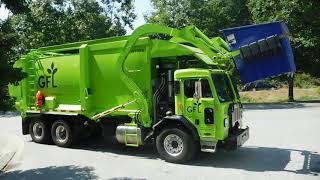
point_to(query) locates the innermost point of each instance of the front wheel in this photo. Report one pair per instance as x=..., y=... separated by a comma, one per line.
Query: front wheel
x=175, y=145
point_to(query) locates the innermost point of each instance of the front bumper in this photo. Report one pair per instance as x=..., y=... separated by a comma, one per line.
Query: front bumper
x=237, y=140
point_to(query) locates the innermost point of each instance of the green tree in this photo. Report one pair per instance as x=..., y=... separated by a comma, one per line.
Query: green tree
x=8, y=39
x=302, y=18
x=52, y=22
x=208, y=15
x=15, y=6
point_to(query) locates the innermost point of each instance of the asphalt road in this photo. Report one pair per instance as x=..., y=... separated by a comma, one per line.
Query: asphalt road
x=284, y=144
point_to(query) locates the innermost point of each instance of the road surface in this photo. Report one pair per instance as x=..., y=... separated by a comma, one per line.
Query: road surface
x=284, y=144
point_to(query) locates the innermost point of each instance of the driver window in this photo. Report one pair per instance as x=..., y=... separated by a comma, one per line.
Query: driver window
x=206, y=91
x=189, y=88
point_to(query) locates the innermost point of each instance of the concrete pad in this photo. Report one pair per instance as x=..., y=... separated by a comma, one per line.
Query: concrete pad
x=11, y=148
x=284, y=143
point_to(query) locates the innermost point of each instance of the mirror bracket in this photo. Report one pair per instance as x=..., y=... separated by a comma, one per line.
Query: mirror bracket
x=198, y=90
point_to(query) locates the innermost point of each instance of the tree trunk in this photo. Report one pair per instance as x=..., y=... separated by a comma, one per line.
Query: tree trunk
x=290, y=87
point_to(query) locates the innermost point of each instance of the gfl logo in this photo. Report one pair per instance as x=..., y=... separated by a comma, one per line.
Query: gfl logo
x=45, y=80
x=194, y=108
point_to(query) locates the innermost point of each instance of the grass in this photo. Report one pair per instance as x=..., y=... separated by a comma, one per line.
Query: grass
x=280, y=95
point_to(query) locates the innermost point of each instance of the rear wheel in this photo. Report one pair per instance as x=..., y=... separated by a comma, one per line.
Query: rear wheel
x=62, y=134
x=39, y=131
x=175, y=145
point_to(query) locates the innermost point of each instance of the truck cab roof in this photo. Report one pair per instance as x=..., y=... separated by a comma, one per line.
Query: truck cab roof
x=196, y=72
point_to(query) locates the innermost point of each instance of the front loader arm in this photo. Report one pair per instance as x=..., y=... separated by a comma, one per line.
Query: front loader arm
x=189, y=34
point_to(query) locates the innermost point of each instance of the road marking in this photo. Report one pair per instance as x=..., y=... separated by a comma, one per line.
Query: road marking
x=296, y=161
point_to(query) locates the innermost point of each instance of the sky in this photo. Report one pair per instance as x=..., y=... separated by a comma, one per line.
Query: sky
x=141, y=7
x=3, y=12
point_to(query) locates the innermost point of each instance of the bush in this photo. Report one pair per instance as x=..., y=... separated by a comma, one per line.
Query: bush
x=318, y=90
x=303, y=80
x=247, y=99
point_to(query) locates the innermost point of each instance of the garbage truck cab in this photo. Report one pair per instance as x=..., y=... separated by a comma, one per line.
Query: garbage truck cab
x=210, y=101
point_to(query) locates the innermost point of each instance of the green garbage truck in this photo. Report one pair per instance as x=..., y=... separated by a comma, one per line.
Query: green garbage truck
x=177, y=91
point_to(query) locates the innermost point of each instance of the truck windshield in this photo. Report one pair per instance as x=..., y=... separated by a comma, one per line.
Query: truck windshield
x=223, y=87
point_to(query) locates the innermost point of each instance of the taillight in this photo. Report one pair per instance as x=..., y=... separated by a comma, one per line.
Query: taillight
x=39, y=99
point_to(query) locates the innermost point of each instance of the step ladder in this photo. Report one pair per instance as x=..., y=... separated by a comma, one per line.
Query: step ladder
x=31, y=81
x=132, y=135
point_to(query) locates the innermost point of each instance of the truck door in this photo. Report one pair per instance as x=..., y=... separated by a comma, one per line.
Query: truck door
x=199, y=105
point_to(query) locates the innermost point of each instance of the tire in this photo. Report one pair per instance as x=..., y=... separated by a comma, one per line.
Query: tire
x=40, y=131
x=62, y=134
x=175, y=145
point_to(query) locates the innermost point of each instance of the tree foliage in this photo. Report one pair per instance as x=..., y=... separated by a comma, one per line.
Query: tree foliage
x=302, y=18
x=8, y=74
x=8, y=39
x=52, y=22
x=208, y=15
x=15, y=6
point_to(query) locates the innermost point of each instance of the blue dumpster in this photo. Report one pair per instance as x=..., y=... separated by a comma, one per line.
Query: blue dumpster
x=265, y=50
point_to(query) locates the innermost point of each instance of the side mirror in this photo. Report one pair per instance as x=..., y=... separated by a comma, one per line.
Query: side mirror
x=197, y=90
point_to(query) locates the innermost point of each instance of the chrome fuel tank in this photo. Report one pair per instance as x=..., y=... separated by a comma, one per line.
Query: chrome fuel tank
x=129, y=135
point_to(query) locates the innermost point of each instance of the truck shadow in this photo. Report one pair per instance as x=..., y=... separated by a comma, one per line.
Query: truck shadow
x=260, y=159
x=147, y=151
x=57, y=173
x=51, y=173
x=249, y=158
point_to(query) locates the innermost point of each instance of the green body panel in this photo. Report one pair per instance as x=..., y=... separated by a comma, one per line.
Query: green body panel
x=55, y=83
x=91, y=77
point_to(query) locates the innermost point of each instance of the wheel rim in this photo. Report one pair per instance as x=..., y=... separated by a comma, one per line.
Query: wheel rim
x=61, y=134
x=38, y=130
x=173, y=145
